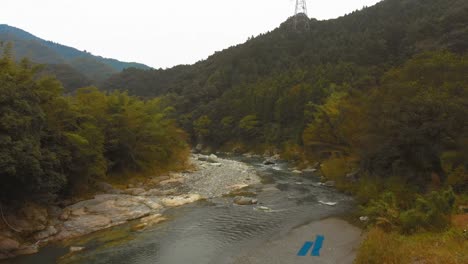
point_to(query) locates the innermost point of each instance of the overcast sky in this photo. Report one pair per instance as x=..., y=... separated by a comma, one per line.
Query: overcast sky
x=155, y=32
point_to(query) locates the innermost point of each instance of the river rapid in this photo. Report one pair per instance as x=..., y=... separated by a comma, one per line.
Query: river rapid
x=214, y=230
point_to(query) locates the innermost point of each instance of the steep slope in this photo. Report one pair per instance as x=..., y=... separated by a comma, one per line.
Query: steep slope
x=275, y=78
x=95, y=68
x=387, y=33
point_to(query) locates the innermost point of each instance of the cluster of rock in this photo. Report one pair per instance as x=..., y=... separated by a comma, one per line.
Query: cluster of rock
x=216, y=177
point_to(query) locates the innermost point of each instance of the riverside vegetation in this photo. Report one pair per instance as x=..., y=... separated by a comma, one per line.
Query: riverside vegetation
x=379, y=97
x=55, y=144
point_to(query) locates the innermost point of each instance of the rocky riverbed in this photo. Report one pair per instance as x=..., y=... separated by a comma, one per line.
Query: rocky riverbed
x=34, y=225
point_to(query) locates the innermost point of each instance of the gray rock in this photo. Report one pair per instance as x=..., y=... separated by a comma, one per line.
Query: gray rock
x=79, y=211
x=310, y=170
x=241, y=200
x=65, y=215
x=76, y=249
x=269, y=162
x=49, y=231
x=180, y=200
x=86, y=224
x=152, y=204
x=329, y=184
x=198, y=148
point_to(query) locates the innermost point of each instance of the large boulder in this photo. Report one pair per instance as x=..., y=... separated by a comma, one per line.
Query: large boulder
x=48, y=232
x=211, y=158
x=86, y=224
x=269, y=162
x=198, y=148
x=241, y=200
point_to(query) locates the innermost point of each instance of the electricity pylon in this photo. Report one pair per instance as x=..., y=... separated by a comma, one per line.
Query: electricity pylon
x=300, y=15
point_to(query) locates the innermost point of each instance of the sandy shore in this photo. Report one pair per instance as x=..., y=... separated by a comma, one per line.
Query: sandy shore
x=339, y=246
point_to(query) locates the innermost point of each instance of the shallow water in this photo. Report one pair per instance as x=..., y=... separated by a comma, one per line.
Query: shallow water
x=214, y=231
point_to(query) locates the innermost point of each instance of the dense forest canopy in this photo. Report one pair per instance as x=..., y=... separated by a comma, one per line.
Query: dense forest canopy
x=51, y=143
x=261, y=76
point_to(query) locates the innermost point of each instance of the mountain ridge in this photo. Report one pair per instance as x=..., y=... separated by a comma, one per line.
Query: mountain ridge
x=95, y=68
x=254, y=78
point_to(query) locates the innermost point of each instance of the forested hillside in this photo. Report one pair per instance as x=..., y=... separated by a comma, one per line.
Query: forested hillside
x=294, y=89
x=53, y=144
x=87, y=67
x=378, y=97
x=276, y=78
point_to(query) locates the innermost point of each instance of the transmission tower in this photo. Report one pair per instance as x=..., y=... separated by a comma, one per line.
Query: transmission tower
x=300, y=15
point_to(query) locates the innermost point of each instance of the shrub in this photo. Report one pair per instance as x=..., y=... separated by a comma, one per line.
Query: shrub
x=429, y=212
x=384, y=212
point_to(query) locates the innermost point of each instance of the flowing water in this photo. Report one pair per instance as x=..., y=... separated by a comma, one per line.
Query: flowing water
x=214, y=231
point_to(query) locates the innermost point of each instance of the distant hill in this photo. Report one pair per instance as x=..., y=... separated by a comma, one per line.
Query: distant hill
x=94, y=68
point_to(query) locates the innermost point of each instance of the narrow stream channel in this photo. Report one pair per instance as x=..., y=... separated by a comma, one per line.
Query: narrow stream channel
x=213, y=231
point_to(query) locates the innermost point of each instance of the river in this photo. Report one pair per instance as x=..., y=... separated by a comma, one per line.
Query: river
x=215, y=230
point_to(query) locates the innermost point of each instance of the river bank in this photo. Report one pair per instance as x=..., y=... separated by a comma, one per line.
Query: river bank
x=34, y=225
x=340, y=244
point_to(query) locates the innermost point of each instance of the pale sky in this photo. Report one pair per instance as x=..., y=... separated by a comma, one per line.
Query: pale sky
x=159, y=33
